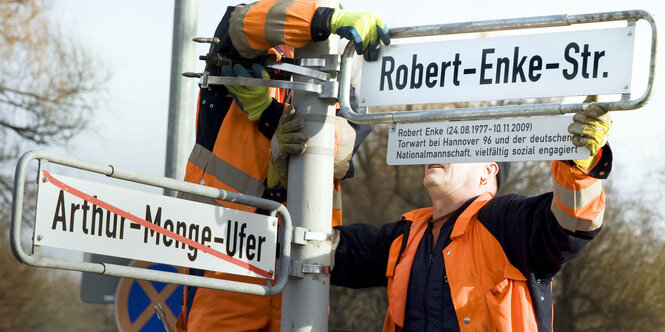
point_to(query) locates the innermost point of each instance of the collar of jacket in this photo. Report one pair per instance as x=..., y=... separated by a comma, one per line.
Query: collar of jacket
x=462, y=223
x=464, y=212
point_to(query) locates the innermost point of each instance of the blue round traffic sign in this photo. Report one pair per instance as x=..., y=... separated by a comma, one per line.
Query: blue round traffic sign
x=139, y=303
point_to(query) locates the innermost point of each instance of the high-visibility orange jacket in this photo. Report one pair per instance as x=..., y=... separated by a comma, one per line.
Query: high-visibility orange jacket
x=502, y=255
x=232, y=152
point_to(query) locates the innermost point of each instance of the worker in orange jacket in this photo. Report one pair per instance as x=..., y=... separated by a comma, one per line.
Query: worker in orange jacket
x=245, y=134
x=475, y=262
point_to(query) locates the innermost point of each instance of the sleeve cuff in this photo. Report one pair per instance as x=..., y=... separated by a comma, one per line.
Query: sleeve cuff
x=320, y=27
x=269, y=120
x=603, y=166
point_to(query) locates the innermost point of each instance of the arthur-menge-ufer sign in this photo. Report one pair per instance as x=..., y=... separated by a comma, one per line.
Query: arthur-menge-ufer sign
x=103, y=219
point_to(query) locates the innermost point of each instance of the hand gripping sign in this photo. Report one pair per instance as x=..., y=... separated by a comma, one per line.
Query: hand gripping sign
x=91, y=217
x=518, y=66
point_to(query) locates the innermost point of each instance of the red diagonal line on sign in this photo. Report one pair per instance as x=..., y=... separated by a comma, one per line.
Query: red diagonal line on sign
x=154, y=227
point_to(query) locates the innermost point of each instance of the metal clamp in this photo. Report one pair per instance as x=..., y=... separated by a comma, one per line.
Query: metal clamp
x=299, y=269
x=301, y=236
x=328, y=62
x=475, y=113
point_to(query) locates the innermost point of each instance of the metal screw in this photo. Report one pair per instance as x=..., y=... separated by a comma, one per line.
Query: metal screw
x=363, y=100
x=630, y=33
x=625, y=87
x=392, y=128
x=271, y=272
x=44, y=179
x=40, y=237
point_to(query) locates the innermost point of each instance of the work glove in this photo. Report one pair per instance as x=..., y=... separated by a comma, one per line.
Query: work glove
x=253, y=100
x=364, y=29
x=287, y=141
x=589, y=129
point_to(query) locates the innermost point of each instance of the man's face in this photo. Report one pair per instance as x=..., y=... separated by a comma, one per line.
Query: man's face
x=461, y=179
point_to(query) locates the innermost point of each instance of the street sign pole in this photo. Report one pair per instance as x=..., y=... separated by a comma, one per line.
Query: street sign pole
x=182, y=92
x=305, y=298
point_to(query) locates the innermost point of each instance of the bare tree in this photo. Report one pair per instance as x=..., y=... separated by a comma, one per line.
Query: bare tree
x=47, y=83
x=47, y=86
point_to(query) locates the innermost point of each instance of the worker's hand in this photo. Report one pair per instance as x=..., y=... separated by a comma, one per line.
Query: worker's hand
x=364, y=29
x=277, y=172
x=287, y=140
x=589, y=129
x=253, y=100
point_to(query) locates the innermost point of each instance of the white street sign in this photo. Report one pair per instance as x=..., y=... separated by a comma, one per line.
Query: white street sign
x=511, y=139
x=103, y=219
x=572, y=63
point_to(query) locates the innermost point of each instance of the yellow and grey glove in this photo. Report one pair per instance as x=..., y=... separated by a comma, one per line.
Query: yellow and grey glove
x=589, y=129
x=253, y=100
x=287, y=140
x=364, y=29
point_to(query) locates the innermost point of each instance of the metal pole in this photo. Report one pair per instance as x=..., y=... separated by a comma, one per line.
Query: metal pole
x=305, y=298
x=182, y=97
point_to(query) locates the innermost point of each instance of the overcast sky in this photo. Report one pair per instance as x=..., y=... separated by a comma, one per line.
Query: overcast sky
x=133, y=41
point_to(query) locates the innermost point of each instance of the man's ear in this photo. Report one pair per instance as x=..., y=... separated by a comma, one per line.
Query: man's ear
x=491, y=170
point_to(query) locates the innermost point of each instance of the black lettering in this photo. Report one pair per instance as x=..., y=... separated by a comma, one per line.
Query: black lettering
x=168, y=225
x=206, y=235
x=59, y=215
x=485, y=65
x=157, y=221
x=180, y=229
x=416, y=73
x=97, y=215
x=194, y=236
x=517, y=66
x=111, y=232
x=596, y=57
x=84, y=225
x=569, y=75
x=502, y=65
x=122, y=227
x=242, y=238
x=385, y=73
x=535, y=64
x=262, y=239
x=456, y=64
x=430, y=76
x=401, y=77
x=231, y=251
x=72, y=209
x=444, y=65
x=585, y=59
x=251, y=245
